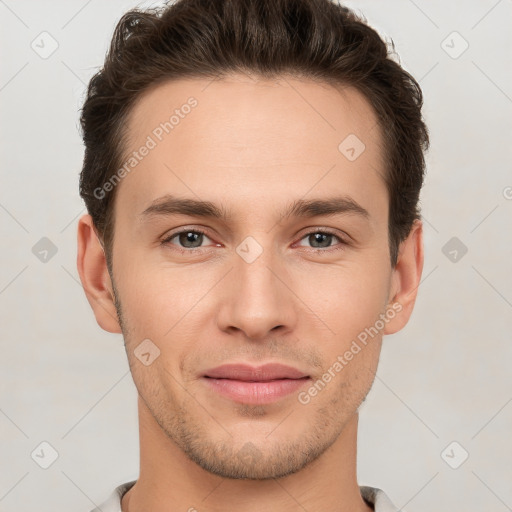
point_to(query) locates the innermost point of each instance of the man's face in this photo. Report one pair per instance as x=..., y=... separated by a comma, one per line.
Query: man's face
x=259, y=286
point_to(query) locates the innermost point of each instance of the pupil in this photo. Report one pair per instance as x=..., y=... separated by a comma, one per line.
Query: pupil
x=319, y=237
x=190, y=238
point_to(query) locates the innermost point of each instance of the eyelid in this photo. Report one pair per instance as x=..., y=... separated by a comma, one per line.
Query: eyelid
x=343, y=239
x=170, y=235
x=343, y=242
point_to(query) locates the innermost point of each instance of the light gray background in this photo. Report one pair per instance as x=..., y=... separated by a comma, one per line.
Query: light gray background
x=446, y=377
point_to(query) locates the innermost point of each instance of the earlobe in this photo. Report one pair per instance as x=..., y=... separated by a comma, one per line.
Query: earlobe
x=406, y=278
x=93, y=271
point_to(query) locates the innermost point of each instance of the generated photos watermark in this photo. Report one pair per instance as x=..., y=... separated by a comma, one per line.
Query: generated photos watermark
x=152, y=140
x=304, y=397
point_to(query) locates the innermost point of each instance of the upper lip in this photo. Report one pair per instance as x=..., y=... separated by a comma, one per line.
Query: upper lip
x=246, y=372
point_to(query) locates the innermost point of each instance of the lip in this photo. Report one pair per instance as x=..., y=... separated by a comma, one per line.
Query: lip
x=255, y=384
x=246, y=372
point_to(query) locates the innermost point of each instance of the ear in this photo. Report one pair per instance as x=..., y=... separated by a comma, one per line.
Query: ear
x=406, y=278
x=93, y=271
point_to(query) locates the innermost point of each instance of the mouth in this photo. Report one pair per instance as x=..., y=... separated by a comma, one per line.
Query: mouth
x=255, y=385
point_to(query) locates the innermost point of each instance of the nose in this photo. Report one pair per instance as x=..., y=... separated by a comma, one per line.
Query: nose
x=257, y=298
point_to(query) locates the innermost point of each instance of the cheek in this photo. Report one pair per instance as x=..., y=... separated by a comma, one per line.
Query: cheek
x=348, y=297
x=158, y=301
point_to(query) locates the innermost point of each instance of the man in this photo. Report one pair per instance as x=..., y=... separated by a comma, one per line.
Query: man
x=252, y=173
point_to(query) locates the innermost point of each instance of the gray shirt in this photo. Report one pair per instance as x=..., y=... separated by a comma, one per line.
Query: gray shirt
x=373, y=496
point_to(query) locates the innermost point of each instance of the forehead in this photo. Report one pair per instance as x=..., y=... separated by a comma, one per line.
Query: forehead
x=253, y=137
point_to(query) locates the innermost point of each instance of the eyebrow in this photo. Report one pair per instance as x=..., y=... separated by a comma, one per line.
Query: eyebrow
x=171, y=205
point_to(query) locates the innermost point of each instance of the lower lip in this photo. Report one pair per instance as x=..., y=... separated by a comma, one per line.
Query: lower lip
x=255, y=392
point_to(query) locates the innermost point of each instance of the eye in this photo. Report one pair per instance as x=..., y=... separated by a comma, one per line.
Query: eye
x=321, y=239
x=186, y=239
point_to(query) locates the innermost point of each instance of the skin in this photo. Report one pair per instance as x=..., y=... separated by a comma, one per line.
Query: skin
x=253, y=147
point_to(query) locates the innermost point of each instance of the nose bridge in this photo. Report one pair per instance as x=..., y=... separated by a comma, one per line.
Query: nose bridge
x=256, y=299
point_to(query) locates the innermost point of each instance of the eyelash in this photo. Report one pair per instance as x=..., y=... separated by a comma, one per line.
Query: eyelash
x=340, y=246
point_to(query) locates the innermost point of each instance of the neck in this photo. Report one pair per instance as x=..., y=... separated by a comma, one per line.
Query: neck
x=169, y=481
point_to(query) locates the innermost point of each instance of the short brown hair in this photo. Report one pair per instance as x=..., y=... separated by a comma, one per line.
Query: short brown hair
x=315, y=39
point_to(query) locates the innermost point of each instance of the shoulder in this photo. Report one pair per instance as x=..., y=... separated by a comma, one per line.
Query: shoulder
x=113, y=502
x=378, y=499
